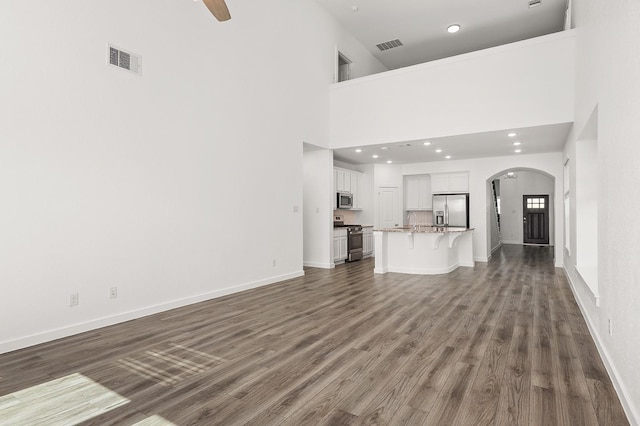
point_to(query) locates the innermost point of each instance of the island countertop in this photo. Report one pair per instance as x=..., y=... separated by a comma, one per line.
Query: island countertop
x=423, y=249
x=426, y=229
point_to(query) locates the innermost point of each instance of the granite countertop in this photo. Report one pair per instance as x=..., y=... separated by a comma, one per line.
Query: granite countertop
x=426, y=229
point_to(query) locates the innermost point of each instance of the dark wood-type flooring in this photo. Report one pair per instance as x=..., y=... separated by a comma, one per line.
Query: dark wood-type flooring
x=503, y=343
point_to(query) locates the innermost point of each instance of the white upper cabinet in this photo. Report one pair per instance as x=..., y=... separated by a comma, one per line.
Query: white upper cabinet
x=442, y=183
x=342, y=180
x=417, y=192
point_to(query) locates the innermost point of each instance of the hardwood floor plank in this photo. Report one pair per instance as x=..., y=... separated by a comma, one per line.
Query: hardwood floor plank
x=318, y=408
x=408, y=416
x=606, y=403
x=388, y=401
x=448, y=403
x=543, y=407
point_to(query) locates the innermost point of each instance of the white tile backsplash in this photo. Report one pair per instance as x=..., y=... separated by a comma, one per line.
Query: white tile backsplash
x=424, y=218
x=348, y=215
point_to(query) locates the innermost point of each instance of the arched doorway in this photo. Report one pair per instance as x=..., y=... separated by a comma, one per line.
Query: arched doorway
x=521, y=208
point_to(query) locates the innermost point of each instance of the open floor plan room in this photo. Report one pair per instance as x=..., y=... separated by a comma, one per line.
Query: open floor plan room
x=501, y=343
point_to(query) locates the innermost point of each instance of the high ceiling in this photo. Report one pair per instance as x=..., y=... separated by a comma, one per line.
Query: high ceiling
x=421, y=25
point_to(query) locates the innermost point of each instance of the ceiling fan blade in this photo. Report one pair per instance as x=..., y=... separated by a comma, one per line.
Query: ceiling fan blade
x=219, y=9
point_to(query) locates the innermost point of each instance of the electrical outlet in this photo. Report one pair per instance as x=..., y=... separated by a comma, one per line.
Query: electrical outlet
x=113, y=292
x=610, y=327
x=73, y=299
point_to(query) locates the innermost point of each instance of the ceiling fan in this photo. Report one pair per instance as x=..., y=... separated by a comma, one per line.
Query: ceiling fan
x=219, y=9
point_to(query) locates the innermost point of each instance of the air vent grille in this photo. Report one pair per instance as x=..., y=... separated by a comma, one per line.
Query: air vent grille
x=389, y=45
x=125, y=60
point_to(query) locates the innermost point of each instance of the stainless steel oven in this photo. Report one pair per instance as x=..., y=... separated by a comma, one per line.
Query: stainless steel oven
x=354, y=243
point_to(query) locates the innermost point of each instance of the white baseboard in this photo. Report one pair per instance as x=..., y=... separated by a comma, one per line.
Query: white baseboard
x=423, y=271
x=481, y=259
x=319, y=265
x=621, y=390
x=58, y=333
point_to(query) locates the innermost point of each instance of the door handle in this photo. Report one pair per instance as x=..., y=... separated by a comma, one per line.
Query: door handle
x=524, y=219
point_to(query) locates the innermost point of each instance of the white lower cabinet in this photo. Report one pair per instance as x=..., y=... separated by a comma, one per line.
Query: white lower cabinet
x=339, y=244
x=367, y=241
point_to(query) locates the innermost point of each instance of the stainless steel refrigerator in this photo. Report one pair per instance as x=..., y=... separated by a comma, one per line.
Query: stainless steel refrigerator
x=451, y=210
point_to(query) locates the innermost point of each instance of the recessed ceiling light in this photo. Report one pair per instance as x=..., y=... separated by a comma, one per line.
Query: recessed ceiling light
x=517, y=143
x=438, y=151
x=375, y=156
x=389, y=161
x=427, y=143
x=453, y=28
x=358, y=150
x=384, y=147
x=512, y=134
x=447, y=157
x=517, y=150
x=355, y=8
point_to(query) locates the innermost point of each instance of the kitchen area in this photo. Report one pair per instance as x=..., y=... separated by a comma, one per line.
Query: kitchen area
x=416, y=224
x=352, y=239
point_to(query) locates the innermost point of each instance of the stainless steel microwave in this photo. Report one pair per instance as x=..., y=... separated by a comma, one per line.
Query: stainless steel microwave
x=345, y=200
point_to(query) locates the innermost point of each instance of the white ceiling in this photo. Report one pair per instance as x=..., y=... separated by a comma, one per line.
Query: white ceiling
x=421, y=25
x=534, y=140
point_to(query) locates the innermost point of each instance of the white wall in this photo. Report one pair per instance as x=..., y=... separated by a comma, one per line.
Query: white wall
x=528, y=83
x=480, y=170
x=317, y=207
x=511, y=193
x=607, y=70
x=174, y=186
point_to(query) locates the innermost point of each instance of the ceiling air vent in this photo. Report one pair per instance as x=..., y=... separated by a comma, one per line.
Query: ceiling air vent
x=534, y=3
x=389, y=45
x=122, y=59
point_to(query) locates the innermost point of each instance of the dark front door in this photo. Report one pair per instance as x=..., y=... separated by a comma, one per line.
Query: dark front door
x=535, y=209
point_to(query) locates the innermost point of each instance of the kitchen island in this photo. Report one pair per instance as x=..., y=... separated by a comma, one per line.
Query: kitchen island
x=422, y=249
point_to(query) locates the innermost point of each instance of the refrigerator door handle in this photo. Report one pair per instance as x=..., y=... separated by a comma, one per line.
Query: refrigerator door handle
x=446, y=215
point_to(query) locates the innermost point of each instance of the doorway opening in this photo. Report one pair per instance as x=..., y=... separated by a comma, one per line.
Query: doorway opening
x=507, y=194
x=344, y=68
x=535, y=219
